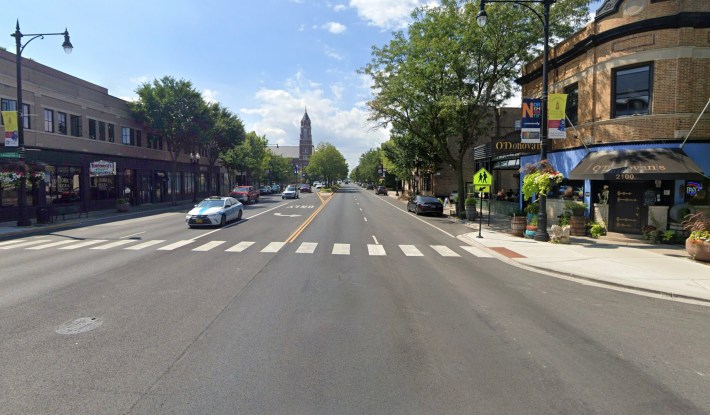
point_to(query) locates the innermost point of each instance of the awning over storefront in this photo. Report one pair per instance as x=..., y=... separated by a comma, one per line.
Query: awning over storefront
x=636, y=164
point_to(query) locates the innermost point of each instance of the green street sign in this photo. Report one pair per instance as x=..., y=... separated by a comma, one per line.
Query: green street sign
x=9, y=155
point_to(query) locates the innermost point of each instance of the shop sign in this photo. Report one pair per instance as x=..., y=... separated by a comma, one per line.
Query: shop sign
x=693, y=188
x=507, y=146
x=102, y=168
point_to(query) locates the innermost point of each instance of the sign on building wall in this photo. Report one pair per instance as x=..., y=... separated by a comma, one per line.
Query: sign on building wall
x=102, y=168
x=556, y=104
x=531, y=122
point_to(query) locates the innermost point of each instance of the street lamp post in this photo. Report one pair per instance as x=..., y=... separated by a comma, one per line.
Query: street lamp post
x=541, y=233
x=23, y=218
x=195, y=161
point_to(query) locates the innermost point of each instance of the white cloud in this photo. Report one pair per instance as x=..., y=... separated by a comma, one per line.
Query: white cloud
x=387, y=14
x=334, y=27
x=209, y=96
x=279, y=111
x=339, y=7
x=331, y=53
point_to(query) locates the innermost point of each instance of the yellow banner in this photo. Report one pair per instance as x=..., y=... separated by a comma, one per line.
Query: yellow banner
x=556, y=104
x=10, y=120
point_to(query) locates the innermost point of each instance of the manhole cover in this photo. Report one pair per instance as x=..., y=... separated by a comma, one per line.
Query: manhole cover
x=80, y=325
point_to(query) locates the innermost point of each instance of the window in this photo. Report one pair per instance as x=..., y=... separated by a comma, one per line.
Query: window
x=111, y=133
x=632, y=91
x=76, y=125
x=138, y=138
x=7, y=105
x=62, y=122
x=92, y=129
x=26, y=117
x=125, y=135
x=48, y=121
x=572, y=108
x=102, y=131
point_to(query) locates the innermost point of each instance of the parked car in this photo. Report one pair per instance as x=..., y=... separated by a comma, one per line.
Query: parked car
x=425, y=204
x=214, y=210
x=291, y=192
x=275, y=188
x=381, y=190
x=304, y=188
x=265, y=190
x=370, y=186
x=245, y=194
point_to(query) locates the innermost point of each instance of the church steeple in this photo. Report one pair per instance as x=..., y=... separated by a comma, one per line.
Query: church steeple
x=306, y=141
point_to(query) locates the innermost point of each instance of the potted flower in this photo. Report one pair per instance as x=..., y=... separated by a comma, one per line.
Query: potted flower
x=539, y=179
x=470, y=206
x=576, y=208
x=122, y=205
x=698, y=243
x=531, y=227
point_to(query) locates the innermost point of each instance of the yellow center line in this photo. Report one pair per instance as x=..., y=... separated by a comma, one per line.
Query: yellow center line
x=309, y=220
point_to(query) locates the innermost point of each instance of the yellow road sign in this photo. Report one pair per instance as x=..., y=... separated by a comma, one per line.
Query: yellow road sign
x=482, y=178
x=482, y=189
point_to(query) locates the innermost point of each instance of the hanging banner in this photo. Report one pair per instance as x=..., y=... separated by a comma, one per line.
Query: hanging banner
x=556, y=104
x=12, y=138
x=531, y=121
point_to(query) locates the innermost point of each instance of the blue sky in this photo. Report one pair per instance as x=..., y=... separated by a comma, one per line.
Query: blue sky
x=265, y=60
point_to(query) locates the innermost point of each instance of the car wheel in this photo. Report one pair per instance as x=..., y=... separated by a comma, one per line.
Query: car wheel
x=416, y=210
x=223, y=221
x=283, y=197
x=239, y=215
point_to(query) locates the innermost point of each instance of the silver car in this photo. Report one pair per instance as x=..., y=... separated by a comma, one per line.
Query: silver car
x=291, y=192
x=214, y=210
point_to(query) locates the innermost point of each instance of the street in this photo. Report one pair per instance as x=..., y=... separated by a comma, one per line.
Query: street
x=345, y=305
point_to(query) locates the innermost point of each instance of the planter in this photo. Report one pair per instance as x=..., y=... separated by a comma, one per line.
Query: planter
x=577, y=226
x=517, y=225
x=530, y=231
x=698, y=250
x=123, y=207
x=470, y=212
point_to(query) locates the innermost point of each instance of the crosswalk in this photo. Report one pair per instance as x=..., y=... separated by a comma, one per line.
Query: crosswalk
x=194, y=245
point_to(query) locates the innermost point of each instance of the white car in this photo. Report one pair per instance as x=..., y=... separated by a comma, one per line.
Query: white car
x=215, y=210
x=291, y=192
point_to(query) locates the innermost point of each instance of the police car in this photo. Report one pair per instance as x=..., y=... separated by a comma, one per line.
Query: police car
x=214, y=210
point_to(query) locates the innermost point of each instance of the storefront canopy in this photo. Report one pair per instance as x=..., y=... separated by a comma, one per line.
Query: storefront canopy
x=636, y=164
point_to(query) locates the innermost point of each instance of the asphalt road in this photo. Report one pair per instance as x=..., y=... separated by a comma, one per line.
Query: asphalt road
x=367, y=309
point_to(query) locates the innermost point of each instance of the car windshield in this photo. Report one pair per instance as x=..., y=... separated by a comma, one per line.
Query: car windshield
x=211, y=203
x=428, y=199
x=241, y=189
x=290, y=189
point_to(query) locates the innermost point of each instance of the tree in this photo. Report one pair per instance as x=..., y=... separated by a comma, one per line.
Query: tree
x=280, y=168
x=438, y=81
x=221, y=131
x=367, y=169
x=174, y=110
x=328, y=163
x=248, y=158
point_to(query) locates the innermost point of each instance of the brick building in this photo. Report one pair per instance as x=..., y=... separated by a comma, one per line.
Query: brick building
x=637, y=83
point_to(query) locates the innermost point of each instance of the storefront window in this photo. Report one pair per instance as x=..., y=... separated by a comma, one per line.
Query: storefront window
x=64, y=184
x=103, y=187
x=568, y=190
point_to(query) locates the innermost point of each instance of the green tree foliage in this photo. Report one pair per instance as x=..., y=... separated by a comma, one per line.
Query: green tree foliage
x=280, y=169
x=368, y=166
x=173, y=109
x=327, y=163
x=248, y=158
x=437, y=81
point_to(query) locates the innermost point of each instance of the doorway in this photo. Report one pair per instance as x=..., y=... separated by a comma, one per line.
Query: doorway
x=626, y=201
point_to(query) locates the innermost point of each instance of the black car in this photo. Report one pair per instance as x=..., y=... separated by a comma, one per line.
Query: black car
x=381, y=190
x=425, y=204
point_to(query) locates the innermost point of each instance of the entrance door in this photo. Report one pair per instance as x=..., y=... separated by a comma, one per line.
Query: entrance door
x=626, y=201
x=145, y=189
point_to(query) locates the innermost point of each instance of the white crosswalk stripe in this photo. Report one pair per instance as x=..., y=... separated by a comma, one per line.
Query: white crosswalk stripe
x=240, y=247
x=476, y=251
x=84, y=244
x=12, y=242
x=410, y=250
x=341, y=249
x=114, y=244
x=53, y=244
x=145, y=244
x=208, y=246
x=176, y=245
x=25, y=244
x=273, y=247
x=307, y=248
x=444, y=250
x=376, y=250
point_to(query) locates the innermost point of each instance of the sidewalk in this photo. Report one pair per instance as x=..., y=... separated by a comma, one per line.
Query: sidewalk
x=613, y=260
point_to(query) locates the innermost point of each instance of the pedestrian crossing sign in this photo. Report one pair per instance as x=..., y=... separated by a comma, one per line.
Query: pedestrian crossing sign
x=482, y=178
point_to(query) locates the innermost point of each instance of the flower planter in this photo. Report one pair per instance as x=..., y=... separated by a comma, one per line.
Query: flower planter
x=517, y=225
x=530, y=231
x=123, y=207
x=698, y=250
x=470, y=212
x=578, y=226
